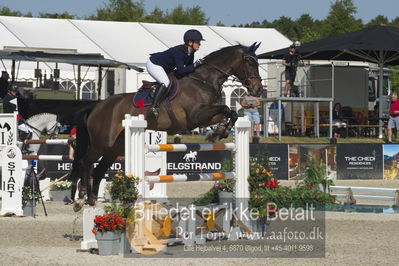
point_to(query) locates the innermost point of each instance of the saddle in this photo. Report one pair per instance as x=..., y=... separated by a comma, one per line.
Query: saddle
x=146, y=92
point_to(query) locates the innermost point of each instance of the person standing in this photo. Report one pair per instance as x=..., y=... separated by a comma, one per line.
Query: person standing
x=393, y=121
x=290, y=61
x=4, y=84
x=251, y=105
x=10, y=105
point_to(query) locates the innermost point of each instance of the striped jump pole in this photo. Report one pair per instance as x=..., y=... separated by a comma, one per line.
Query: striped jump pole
x=56, y=158
x=187, y=178
x=47, y=141
x=46, y=157
x=191, y=147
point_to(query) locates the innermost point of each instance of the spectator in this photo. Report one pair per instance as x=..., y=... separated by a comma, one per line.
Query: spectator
x=251, y=105
x=290, y=61
x=337, y=120
x=10, y=105
x=4, y=84
x=393, y=121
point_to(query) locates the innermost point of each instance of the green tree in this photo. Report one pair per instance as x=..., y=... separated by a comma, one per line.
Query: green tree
x=5, y=11
x=395, y=22
x=120, y=10
x=189, y=16
x=378, y=20
x=156, y=16
x=287, y=27
x=64, y=15
x=341, y=19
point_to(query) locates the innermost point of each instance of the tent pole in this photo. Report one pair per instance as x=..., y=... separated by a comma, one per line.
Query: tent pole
x=79, y=84
x=380, y=91
x=99, y=85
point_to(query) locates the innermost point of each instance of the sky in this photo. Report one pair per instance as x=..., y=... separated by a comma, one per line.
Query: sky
x=390, y=150
x=229, y=12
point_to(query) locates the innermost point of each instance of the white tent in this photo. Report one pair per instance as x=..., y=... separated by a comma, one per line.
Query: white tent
x=129, y=42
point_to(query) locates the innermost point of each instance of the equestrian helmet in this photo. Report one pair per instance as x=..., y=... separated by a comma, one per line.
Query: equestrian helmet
x=12, y=87
x=192, y=35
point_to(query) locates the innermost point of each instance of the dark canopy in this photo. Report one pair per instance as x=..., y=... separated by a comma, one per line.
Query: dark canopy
x=376, y=44
x=95, y=60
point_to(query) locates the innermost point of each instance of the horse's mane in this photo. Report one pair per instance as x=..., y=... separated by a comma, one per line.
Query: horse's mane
x=223, y=50
x=40, y=117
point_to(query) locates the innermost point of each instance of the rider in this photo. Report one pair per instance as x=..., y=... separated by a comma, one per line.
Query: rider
x=10, y=105
x=179, y=58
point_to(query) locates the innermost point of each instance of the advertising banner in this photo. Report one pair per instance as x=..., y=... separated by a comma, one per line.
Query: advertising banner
x=277, y=156
x=359, y=161
x=391, y=161
x=194, y=162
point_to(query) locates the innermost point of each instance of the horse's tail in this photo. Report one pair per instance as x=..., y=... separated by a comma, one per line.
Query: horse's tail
x=82, y=136
x=81, y=148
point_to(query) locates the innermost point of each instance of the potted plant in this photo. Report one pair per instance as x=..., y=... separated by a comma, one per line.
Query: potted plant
x=27, y=200
x=124, y=193
x=108, y=229
x=225, y=190
x=60, y=191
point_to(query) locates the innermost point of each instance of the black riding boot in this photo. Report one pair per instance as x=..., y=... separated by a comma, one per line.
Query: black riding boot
x=25, y=136
x=160, y=91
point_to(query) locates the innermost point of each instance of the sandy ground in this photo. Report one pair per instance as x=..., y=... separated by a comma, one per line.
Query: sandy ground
x=352, y=238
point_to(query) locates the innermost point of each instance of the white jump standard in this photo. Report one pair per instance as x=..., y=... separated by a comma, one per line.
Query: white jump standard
x=135, y=151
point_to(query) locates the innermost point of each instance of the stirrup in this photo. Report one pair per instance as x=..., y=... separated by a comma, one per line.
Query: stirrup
x=155, y=110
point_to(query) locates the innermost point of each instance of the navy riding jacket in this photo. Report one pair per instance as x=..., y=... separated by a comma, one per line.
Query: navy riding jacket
x=177, y=58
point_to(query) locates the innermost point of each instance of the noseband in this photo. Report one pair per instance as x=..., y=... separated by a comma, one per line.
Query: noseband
x=235, y=78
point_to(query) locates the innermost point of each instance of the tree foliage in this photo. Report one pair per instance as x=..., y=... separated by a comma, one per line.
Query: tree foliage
x=64, y=15
x=128, y=10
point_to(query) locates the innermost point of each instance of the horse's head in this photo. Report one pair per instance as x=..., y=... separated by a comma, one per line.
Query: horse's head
x=248, y=70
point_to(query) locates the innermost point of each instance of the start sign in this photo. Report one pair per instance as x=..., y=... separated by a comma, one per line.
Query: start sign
x=11, y=181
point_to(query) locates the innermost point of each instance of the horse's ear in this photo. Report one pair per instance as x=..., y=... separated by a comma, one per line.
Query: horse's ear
x=257, y=46
x=253, y=47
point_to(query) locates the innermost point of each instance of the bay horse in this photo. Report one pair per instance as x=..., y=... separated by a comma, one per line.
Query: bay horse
x=100, y=131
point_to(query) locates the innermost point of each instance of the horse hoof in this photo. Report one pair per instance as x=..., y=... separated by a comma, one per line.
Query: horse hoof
x=225, y=135
x=77, y=206
x=92, y=202
x=211, y=137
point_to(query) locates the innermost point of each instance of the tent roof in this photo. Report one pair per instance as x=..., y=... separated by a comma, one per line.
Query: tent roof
x=68, y=58
x=125, y=41
x=376, y=44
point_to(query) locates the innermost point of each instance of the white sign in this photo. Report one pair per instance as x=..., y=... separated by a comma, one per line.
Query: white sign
x=8, y=130
x=11, y=183
x=155, y=161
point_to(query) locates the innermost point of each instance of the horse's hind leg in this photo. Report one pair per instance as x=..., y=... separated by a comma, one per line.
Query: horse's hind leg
x=85, y=186
x=106, y=161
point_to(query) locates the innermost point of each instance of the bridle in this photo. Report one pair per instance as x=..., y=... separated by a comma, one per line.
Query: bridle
x=235, y=78
x=51, y=132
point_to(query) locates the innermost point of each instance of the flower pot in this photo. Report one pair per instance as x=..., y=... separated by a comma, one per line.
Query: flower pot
x=108, y=243
x=60, y=195
x=225, y=197
x=28, y=208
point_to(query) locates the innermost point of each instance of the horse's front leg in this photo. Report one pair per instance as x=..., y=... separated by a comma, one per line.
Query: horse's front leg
x=220, y=114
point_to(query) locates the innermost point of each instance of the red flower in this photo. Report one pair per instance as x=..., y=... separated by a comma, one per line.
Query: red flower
x=108, y=222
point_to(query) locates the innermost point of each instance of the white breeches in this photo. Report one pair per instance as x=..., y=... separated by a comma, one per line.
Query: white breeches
x=24, y=128
x=158, y=73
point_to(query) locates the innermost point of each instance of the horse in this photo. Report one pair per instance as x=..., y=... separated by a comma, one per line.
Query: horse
x=191, y=155
x=100, y=132
x=43, y=123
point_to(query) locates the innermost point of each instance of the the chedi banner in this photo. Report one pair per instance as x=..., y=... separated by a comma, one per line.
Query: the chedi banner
x=360, y=161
